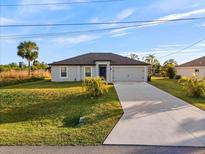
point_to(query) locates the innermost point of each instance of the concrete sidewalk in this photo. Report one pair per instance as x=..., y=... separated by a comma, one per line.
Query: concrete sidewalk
x=154, y=117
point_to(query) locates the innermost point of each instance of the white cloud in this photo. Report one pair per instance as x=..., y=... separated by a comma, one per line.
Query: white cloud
x=175, y=5
x=28, y=10
x=4, y=20
x=119, y=17
x=170, y=45
x=162, y=51
x=183, y=15
x=94, y=20
x=200, y=45
x=7, y=42
x=168, y=17
x=119, y=30
x=173, y=17
x=75, y=39
x=119, y=34
x=124, y=14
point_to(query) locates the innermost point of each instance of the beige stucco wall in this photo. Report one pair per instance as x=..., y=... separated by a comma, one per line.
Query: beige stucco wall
x=188, y=71
x=82, y=71
x=77, y=73
x=72, y=75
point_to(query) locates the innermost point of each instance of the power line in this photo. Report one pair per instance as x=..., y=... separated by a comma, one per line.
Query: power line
x=187, y=47
x=74, y=32
x=103, y=23
x=62, y=3
x=68, y=32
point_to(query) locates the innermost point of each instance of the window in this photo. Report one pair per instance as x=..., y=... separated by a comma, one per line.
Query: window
x=87, y=71
x=196, y=70
x=64, y=72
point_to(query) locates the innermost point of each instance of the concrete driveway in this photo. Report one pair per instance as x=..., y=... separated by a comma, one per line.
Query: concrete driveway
x=154, y=117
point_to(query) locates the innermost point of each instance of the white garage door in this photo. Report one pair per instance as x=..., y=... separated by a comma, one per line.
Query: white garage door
x=121, y=74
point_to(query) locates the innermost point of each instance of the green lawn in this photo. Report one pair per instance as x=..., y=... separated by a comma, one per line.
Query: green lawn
x=43, y=112
x=174, y=88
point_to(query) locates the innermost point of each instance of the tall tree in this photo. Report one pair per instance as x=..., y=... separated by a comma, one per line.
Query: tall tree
x=29, y=51
x=151, y=59
x=134, y=56
x=170, y=61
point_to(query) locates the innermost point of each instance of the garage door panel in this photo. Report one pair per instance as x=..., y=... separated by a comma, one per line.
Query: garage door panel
x=121, y=74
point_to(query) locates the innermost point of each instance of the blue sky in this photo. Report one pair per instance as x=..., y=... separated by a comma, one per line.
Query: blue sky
x=158, y=38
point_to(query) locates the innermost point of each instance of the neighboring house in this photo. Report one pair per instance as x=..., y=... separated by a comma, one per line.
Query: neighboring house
x=195, y=66
x=110, y=66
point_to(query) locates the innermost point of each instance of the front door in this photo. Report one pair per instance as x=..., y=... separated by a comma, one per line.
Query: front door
x=102, y=71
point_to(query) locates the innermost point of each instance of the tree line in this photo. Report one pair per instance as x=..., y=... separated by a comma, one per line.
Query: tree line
x=30, y=51
x=36, y=65
x=167, y=69
x=27, y=50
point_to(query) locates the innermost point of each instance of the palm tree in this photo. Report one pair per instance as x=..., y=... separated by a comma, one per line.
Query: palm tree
x=151, y=59
x=170, y=61
x=134, y=56
x=29, y=51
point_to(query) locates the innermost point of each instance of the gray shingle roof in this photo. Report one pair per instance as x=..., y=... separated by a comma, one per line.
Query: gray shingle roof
x=196, y=62
x=91, y=58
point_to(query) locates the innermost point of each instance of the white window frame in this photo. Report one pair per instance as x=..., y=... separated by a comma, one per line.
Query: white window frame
x=85, y=71
x=63, y=77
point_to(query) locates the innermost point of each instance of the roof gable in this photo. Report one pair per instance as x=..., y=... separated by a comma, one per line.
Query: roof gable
x=91, y=58
x=196, y=62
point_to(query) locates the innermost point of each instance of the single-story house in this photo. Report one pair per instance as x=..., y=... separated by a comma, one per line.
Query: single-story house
x=195, y=66
x=110, y=66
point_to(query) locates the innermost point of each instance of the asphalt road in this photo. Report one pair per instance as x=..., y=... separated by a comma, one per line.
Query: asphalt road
x=99, y=150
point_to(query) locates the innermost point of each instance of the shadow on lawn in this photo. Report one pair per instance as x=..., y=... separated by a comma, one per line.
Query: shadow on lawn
x=65, y=105
x=45, y=84
x=69, y=109
x=73, y=121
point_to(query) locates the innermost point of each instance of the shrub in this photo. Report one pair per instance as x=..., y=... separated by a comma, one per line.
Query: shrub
x=178, y=77
x=163, y=73
x=170, y=70
x=95, y=86
x=194, y=86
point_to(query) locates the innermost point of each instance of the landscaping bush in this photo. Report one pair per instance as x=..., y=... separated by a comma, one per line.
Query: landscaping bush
x=170, y=70
x=194, y=86
x=95, y=86
x=163, y=73
x=177, y=77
